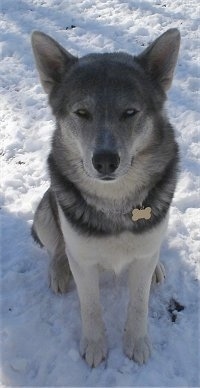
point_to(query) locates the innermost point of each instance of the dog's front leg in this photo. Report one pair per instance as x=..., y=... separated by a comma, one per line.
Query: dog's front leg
x=93, y=345
x=137, y=345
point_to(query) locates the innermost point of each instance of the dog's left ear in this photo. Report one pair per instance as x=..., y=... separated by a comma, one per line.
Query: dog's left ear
x=160, y=58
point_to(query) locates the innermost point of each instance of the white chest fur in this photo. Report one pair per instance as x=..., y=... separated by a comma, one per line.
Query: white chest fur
x=111, y=252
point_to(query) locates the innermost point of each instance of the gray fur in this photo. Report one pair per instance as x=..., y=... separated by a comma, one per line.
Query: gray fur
x=113, y=150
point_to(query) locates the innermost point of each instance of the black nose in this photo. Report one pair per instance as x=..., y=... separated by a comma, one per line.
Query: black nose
x=105, y=162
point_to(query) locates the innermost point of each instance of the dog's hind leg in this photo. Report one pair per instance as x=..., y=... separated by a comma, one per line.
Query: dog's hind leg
x=159, y=274
x=47, y=232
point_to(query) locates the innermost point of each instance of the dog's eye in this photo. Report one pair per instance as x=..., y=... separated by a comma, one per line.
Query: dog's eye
x=83, y=113
x=129, y=113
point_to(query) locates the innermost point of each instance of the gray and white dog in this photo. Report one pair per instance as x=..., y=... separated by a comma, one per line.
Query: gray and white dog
x=113, y=171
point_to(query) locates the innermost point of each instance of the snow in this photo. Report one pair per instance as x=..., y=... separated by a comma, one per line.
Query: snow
x=39, y=330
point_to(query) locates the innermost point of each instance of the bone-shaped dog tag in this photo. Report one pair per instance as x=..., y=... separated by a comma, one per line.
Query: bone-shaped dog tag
x=140, y=214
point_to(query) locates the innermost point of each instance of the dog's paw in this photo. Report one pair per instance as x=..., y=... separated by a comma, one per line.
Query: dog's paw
x=94, y=352
x=59, y=275
x=159, y=274
x=138, y=350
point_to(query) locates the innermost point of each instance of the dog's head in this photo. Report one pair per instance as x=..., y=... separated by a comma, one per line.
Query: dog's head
x=109, y=107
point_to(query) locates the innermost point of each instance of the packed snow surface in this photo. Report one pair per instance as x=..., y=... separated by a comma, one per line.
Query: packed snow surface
x=40, y=331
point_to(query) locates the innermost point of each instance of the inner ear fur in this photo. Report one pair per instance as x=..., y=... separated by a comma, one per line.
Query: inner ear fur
x=160, y=58
x=52, y=60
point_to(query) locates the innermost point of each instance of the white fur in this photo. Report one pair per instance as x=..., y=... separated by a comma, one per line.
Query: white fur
x=138, y=252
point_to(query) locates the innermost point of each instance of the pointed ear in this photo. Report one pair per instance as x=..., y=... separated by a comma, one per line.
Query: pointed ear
x=159, y=59
x=52, y=60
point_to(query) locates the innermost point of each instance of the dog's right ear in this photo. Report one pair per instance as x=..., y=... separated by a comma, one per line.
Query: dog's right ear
x=52, y=60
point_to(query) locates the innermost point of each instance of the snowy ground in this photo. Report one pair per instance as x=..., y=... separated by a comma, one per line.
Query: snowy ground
x=40, y=331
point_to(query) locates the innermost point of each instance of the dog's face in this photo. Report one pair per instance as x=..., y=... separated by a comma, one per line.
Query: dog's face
x=108, y=106
x=109, y=116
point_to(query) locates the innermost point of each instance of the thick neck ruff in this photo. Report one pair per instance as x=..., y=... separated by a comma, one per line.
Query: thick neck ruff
x=87, y=219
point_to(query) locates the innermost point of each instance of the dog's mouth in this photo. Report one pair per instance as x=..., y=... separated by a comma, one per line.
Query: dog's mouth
x=99, y=177
x=107, y=178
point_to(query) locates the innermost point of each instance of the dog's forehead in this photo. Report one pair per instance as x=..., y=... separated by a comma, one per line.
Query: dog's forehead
x=100, y=70
x=100, y=75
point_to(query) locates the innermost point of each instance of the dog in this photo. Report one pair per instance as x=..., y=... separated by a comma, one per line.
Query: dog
x=113, y=169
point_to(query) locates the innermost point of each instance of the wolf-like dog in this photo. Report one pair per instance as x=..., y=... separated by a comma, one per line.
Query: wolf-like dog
x=113, y=170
